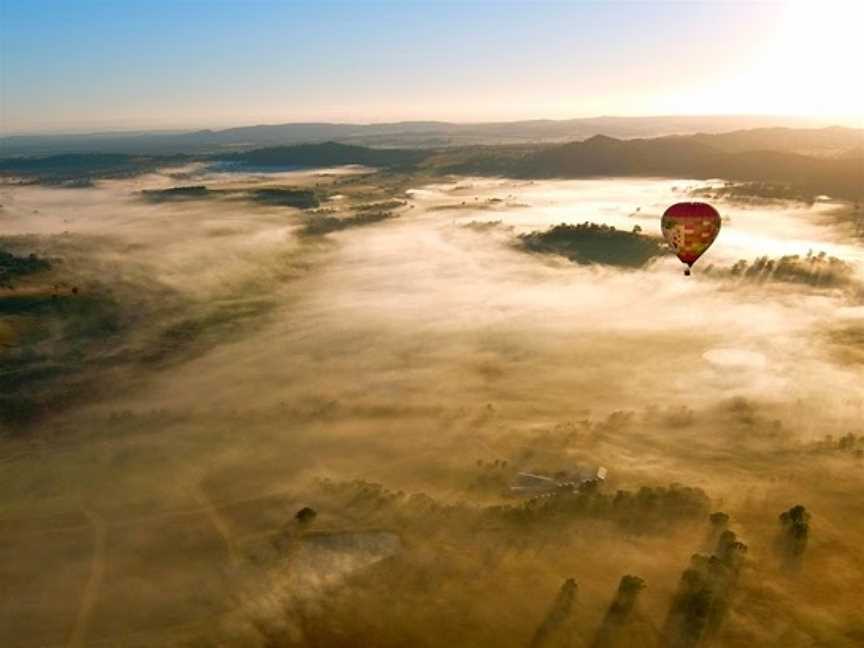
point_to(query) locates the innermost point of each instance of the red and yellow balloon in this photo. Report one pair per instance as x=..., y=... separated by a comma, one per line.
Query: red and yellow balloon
x=690, y=228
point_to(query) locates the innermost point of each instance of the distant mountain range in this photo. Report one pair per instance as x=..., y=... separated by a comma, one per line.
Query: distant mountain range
x=727, y=157
x=401, y=134
x=812, y=161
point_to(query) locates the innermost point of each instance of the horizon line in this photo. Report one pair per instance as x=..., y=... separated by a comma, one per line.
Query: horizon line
x=834, y=121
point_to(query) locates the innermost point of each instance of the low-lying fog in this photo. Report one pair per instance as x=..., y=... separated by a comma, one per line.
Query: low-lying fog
x=251, y=369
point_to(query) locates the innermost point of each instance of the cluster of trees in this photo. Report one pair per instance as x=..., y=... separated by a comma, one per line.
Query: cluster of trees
x=624, y=625
x=494, y=477
x=697, y=611
x=318, y=225
x=702, y=601
x=193, y=192
x=754, y=192
x=12, y=266
x=813, y=270
x=649, y=509
x=382, y=205
x=484, y=226
x=556, y=629
x=848, y=441
x=588, y=243
x=280, y=196
x=287, y=197
x=36, y=376
x=793, y=536
x=698, y=608
x=43, y=369
x=78, y=169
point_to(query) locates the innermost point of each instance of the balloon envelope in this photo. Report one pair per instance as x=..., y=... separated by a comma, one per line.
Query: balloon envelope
x=690, y=228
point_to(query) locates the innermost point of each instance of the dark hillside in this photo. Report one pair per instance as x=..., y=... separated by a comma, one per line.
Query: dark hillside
x=328, y=154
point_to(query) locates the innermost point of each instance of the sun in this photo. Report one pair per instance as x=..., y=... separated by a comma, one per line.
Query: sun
x=807, y=63
x=815, y=59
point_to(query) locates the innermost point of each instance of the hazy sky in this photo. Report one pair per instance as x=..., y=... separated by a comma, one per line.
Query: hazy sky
x=79, y=65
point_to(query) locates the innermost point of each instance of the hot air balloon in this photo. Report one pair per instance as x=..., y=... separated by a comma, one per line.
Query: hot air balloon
x=690, y=228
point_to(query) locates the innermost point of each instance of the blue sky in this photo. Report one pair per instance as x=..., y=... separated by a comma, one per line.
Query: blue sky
x=84, y=65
